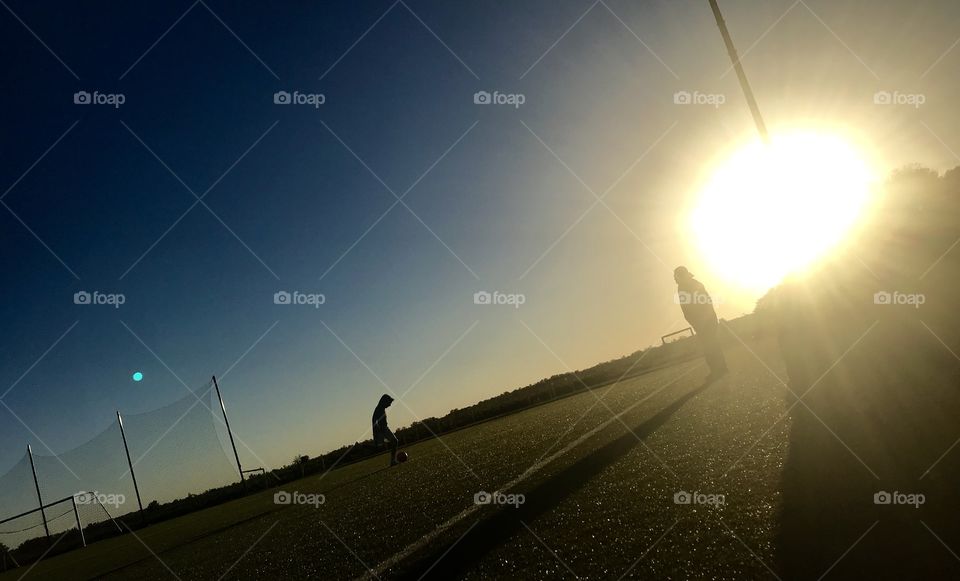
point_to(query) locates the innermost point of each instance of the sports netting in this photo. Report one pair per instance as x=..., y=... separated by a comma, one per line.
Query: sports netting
x=177, y=450
x=60, y=518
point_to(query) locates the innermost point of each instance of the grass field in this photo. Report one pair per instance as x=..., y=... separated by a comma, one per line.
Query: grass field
x=599, y=472
x=682, y=439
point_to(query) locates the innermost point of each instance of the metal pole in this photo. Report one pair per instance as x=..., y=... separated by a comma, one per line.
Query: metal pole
x=229, y=431
x=133, y=475
x=36, y=483
x=744, y=84
x=76, y=513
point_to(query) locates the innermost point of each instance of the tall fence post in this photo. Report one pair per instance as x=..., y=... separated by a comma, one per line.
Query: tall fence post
x=43, y=514
x=741, y=75
x=226, y=421
x=133, y=475
x=76, y=513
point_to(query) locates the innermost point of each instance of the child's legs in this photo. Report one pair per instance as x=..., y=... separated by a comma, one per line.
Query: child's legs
x=394, y=444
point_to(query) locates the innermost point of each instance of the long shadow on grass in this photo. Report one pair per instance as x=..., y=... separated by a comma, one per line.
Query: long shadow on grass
x=507, y=522
x=881, y=421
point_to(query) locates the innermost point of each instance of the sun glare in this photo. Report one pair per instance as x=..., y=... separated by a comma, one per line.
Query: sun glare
x=772, y=209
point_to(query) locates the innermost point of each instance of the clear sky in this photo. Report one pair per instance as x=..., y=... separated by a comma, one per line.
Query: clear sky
x=300, y=198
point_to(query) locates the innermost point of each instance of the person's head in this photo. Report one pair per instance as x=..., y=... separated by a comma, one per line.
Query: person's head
x=681, y=274
x=385, y=400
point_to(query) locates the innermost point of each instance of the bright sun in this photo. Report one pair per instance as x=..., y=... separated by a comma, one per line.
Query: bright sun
x=769, y=210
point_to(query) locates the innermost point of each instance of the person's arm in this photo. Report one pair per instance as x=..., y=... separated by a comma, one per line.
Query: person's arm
x=379, y=420
x=709, y=312
x=685, y=296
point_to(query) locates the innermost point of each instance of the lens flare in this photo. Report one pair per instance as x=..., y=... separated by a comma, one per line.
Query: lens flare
x=772, y=209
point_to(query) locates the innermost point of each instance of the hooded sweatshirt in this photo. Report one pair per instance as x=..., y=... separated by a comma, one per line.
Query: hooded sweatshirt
x=696, y=304
x=380, y=414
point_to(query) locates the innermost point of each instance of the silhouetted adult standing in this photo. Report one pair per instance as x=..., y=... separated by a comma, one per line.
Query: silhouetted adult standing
x=381, y=432
x=697, y=307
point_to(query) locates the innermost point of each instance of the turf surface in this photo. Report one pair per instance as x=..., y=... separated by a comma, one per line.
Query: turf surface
x=599, y=473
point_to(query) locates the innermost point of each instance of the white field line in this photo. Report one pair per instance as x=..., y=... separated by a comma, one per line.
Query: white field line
x=429, y=537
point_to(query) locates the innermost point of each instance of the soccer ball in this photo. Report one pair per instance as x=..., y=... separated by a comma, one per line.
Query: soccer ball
x=402, y=457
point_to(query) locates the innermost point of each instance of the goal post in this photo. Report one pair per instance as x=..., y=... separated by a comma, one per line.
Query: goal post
x=83, y=517
x=677, y=335
x=31, y=531
x=260, y=473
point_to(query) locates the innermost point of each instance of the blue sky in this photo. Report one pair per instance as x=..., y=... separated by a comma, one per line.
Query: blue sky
x=499, y=197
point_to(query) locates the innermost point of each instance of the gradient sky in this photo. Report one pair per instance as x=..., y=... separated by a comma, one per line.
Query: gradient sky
x=499, y=199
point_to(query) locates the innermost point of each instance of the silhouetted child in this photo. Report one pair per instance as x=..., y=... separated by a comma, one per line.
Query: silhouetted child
x=381, y=432
x=697, y=307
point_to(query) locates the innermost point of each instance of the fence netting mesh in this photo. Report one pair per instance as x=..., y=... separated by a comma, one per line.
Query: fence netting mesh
x=176, y=450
